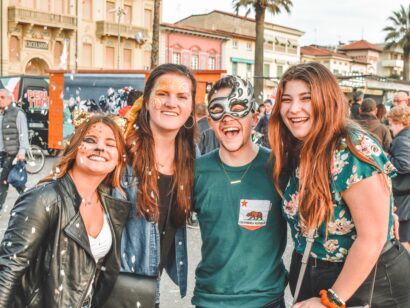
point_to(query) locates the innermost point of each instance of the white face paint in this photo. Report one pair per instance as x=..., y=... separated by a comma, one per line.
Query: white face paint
x=170, y=103
x=98, y=153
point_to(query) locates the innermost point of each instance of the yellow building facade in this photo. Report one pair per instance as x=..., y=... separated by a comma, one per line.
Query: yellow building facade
x=37, y=35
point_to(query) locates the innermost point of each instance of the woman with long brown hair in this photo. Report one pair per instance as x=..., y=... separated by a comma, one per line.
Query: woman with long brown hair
x=338, y=187
x=159, y=179
x=63, y=232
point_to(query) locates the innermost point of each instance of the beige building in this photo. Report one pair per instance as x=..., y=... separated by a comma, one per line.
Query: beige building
x=363, y=52
x=338, y=63
x=37, y=35
x=391, y=62
x=281, y=48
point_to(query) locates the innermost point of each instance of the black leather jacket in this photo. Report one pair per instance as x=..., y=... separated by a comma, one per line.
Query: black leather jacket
x=45, y=256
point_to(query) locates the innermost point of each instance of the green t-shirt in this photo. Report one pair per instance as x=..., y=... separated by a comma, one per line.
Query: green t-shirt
x=243, y=234
x=347, y=169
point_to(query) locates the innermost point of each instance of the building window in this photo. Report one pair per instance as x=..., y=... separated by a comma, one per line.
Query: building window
x=249, y=46
x=109, y=57
x=148, y=19
x=128, y=15
x=234, y=68
x=58, y=50
x=127, y=60
x=110, y=11
x=194, y=62
x=176, y=57
x=14, y=49
x=58, y=6
x=248, y=70
x=43, y=5
x=87, y=55
x=266, y=70
x=87, y=10
x=147, y=60
x=279, y=71
x=211, y=63
x=235, y=44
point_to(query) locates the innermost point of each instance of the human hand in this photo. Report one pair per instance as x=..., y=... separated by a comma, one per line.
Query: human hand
x=313, y=302
x=21, y=156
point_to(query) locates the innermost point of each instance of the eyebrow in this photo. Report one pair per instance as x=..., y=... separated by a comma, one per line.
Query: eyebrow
x=300, y=94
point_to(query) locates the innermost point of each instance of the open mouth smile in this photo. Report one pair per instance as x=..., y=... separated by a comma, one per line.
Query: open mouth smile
x=97, y=158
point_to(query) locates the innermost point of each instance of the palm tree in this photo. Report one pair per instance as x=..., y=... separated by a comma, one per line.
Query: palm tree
x=155, y=34
x=260, y=7
x=398, y=35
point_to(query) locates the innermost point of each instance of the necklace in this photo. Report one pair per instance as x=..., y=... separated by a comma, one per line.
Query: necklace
x=233, y=182
x=90, y=201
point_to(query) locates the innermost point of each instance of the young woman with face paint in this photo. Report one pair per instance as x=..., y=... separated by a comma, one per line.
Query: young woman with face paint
x=62, y=245
x=339, y=187
x=159, y=179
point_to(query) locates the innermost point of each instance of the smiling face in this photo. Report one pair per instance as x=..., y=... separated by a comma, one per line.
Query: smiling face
x=170, y=102
x=232, y=133
x=97, y=154
x=296, y=108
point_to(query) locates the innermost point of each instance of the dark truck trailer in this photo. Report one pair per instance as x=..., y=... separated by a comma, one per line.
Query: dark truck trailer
x=32, y=94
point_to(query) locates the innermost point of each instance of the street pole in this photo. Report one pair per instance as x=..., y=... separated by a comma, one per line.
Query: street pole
x=120, y=12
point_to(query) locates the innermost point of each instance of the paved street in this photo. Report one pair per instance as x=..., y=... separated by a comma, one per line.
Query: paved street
x=169, y=291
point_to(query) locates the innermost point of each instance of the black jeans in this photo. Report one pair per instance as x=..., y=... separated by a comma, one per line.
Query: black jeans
x=6, y=162
x=392, y=279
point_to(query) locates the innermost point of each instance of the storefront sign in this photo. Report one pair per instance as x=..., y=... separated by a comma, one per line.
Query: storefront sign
x=37, y=45
x=373, y=92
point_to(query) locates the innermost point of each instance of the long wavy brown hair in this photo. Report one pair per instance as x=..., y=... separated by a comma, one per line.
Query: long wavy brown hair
x=68, y=157
x=315, y=154
x=141, y=145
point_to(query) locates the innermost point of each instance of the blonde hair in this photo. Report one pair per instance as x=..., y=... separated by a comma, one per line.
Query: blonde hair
x=400, y=115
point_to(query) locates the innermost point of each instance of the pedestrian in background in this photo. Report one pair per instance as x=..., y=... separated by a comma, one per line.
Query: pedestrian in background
x=381, y=114
x=262, y=126
x=357, y=102
x=339, y=189
x=207, y=140
x=159, y=179
x=13, y=140
x=369, y=121
x=399, y=118
x=400, y=99
x=62, y=244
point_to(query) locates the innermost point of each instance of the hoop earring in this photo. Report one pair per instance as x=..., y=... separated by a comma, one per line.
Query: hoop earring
x=193, y=122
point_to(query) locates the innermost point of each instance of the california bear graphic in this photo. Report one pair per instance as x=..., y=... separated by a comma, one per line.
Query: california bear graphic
x=254, y=215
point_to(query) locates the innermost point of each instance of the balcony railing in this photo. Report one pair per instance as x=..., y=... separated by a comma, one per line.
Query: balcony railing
x=392, y=63
x=28, y=16
x=105, y=28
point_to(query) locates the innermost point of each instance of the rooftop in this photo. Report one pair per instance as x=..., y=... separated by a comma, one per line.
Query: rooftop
x=360, y=45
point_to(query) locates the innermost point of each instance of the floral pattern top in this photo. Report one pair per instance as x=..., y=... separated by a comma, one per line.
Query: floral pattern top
x=347, y=169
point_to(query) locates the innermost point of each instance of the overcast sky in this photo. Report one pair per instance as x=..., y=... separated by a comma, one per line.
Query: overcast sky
x=323, y=21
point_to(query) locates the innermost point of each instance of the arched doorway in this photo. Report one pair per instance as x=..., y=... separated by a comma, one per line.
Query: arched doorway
x=36, y=66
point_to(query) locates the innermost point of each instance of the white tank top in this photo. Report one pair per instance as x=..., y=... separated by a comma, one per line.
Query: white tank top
x=101, y=245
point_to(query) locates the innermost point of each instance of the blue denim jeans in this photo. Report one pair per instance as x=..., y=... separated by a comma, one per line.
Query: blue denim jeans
x=391, y=286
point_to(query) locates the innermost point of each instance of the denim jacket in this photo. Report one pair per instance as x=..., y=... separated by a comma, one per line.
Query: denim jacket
x=140, y=244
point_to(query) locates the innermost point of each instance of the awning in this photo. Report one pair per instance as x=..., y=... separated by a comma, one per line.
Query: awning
x=242, y=60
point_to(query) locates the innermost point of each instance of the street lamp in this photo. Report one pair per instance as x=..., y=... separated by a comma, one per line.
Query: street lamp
x=119, y=11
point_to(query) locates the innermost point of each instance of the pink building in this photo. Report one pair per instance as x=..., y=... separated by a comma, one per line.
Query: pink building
x=197, y=48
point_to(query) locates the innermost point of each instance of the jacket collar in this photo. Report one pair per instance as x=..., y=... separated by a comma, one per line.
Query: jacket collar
x=404, y=131
x=117, y=212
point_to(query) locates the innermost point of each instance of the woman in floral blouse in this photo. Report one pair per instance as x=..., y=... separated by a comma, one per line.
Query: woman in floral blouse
x=339, y=184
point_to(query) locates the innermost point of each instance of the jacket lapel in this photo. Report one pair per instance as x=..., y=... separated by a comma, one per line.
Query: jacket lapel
x=77, y=232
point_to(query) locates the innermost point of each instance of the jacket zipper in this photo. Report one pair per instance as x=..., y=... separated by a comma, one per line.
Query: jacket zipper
x=88, y=287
